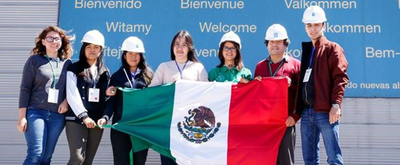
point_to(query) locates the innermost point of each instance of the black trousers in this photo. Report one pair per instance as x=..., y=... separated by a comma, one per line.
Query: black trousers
x=82, y=142
x=286, y=148
x=167, y=161
x=122, y=146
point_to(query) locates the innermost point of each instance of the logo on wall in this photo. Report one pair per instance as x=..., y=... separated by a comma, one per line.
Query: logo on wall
x=199, y=126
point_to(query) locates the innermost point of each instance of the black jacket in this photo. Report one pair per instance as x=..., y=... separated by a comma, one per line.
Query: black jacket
x=115, y=103
x=84, y=82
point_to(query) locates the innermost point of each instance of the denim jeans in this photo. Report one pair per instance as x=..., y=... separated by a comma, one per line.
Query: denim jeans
x=43, y=129
x=312, y=125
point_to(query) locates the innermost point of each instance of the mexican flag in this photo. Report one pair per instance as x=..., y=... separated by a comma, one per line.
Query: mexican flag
x=211, y=123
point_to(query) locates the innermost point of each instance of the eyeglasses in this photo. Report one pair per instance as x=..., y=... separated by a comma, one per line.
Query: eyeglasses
x=53, y=39
x=184, y=46
x=228, y=49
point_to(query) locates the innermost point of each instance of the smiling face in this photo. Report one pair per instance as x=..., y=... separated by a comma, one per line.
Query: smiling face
x=315, y=30
x=181, y=49
x=132, y=58
x=92, y=52
x=276, y=47
x=229, y=51
x=52, y=42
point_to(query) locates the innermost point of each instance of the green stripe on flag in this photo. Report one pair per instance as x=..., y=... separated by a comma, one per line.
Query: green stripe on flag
x=150, y=128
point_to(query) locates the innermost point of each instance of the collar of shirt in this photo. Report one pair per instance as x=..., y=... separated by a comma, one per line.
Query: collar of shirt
x=224, y=69
x=136, y=72
x=93, y=70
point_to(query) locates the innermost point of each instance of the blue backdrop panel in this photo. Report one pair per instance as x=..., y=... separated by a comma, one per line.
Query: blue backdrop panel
x=366, y=29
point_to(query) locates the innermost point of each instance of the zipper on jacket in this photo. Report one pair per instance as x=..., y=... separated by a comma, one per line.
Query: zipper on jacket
x=305, y=91
x=310, y=77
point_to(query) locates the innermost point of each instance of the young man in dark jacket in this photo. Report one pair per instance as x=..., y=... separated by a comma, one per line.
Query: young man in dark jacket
x=321, y=88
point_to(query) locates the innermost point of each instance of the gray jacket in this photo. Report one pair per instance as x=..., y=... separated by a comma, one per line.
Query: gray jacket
x=37, y=79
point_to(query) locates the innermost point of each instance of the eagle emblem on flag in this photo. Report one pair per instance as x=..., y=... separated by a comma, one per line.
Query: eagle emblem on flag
x=200, y=126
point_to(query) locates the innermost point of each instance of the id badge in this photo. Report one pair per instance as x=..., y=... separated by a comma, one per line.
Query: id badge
x=307, y=75
x=94, y=94
x=53, y=96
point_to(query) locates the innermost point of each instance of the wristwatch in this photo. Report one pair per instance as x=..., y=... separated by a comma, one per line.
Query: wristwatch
x=335, y=105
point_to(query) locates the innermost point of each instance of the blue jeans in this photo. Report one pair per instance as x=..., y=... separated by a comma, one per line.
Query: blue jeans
x=43, y=129
x=312, y=125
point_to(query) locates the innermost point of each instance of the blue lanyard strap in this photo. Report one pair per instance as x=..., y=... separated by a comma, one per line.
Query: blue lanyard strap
x=179, y=69
x=53, y=85
x=94, y=78
x=311, y=57
x=133, y=78
x=94, y=82
x=276, y=71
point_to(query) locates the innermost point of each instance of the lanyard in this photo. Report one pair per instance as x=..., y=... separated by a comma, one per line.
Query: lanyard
x=311, y=58
x=276, y=71
x=53, y=85
x=127, y=77
x=94, y=78
x=179, y=69
x=94, y=82
x=132, y=81
x=133, y=77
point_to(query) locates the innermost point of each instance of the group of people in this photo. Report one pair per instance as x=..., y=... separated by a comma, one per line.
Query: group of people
x=80, y=96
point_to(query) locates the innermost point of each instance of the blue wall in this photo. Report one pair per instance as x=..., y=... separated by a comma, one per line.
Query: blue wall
x=366, y=29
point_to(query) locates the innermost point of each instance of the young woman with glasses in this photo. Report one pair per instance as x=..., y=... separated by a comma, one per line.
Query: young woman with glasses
x=231, y=68
x=42, y=99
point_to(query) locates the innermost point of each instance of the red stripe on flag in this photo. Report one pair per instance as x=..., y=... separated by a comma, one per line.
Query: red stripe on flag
x=257, y=116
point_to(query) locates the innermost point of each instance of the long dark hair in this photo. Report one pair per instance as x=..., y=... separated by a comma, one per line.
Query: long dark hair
x=64, y=52
x=83, y=65
x=189, y=41
x=238, y=59
x=146, y=70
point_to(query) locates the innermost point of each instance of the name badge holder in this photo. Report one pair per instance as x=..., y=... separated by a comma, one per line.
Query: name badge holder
x=53, y=92
x=307, y=75
x=94, y=93
x=53, y=96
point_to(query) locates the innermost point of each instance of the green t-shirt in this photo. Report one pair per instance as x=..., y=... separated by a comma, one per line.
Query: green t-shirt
x=224, y=74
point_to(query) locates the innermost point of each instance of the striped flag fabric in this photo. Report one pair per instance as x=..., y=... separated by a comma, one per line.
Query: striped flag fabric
x=211, y=123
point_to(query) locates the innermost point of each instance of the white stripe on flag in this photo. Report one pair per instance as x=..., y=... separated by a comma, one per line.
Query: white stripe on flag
x=190, y=95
